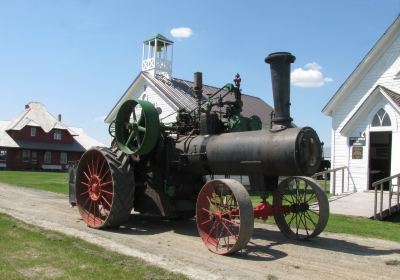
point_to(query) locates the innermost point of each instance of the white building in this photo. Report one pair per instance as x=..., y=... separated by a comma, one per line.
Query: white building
x=169, y=94
x=365, y=115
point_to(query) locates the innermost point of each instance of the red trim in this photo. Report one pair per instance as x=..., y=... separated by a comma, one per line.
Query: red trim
x=265, y=210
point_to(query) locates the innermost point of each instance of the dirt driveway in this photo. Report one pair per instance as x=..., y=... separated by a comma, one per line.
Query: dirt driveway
x=177, y=247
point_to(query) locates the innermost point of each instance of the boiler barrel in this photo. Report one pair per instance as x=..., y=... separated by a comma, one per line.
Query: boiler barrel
x=290, y=152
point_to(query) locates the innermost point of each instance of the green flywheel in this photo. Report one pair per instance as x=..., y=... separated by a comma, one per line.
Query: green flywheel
x=137, y=127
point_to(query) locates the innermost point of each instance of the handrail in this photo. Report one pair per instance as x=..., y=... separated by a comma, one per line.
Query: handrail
x=381, y=183
x=333, y=178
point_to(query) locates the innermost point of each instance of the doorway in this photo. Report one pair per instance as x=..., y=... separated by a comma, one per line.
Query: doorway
x=380, y=155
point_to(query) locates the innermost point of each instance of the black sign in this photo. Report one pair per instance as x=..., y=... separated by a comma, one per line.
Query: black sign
x=356, y=141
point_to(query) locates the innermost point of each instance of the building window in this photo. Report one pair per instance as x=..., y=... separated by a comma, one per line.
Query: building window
x=33, y=131
x=3, y=155
x=26, y=155
x=381, y=119
x=47, y=157
x=144, y=87
x=57, y=135
x=34, y=157
x=63, y=158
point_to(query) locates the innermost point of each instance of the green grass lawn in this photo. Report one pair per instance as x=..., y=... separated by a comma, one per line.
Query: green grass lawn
x=28, y=252
x=49, y=181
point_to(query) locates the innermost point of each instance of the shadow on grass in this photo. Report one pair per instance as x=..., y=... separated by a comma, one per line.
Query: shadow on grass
x=260, y=248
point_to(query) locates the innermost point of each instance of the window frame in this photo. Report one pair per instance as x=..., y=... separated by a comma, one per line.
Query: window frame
x=33, y=131
x=47, y=157
x=3, y=155
x=63, y=157
x=379, y=119
x=34, y=159
x=57, y=135
x=26, y=155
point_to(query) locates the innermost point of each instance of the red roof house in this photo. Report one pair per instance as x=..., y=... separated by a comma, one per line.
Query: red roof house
x=37, y=140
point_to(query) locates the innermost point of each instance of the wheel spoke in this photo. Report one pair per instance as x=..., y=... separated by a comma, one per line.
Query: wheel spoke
x=94, y=173
x=208, y=211
x=107, y=192
x=134, y=114
x=106, y=183
x=131, y=136
x=84, y=192
x=310, y=218
x=229, y=231
x=105, y=174
x=303, y=221
x=291, y=220
x=206, y=222
x=311, y=197
x=223, y=207
x=87, y=177
x=231, y=222
x=313, y=211
x=309, y=208
x=86, y=201
x=106, y=201
x=86, y=184
x=101, y=168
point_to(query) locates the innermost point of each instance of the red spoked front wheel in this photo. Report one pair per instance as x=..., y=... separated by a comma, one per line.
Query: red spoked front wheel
x=224, y=216
x=104, y=188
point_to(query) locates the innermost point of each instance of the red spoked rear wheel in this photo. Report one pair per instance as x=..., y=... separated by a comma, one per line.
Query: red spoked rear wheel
x=224, y=216
x=104, y=188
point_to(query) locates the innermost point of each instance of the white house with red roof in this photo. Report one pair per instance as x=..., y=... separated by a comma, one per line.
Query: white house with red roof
x=37, y=140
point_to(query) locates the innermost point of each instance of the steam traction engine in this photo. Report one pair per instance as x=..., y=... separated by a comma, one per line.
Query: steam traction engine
x=161, y=169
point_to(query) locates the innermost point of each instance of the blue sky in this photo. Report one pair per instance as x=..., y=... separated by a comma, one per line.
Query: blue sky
x=78, y=57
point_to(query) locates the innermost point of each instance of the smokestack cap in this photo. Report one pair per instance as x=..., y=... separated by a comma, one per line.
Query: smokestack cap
x=280, y=55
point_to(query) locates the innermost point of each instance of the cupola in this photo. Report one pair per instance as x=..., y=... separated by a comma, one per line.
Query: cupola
x=157, y=56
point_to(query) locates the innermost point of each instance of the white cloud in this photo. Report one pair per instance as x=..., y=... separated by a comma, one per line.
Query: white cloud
x=313, y=66
x=309, y=76
x=99, y=118
x=181, y=32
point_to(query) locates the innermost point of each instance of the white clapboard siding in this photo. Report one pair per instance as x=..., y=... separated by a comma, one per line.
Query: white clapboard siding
x=383, y=73
x=154, y=96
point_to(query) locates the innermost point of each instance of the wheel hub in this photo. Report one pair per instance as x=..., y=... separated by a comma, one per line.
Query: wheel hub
x=95, y=188
x=299, y=207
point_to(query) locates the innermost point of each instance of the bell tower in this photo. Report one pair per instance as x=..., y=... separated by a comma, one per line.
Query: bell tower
x=157, y=56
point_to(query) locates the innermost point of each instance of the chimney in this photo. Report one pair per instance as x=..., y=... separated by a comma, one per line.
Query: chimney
x=198, y=90
x=280, y=76
x=59, y=117
x=27, y=106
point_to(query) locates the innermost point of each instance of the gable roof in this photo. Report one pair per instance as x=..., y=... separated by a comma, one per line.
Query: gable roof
x=36, y=114
x=390, y=95
x=394, y=96
x=180, y=93
x=82, y=141
x=363, y=67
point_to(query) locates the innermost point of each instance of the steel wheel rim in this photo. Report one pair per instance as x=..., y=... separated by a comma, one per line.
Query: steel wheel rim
x=309, y=208
x=94, y=189
x=224, y=217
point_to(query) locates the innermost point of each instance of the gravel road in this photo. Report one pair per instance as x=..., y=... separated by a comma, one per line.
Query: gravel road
x=177, y=247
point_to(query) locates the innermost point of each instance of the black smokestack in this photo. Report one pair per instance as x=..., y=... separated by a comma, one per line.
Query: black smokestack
x=198, y=90
x=280, y=75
